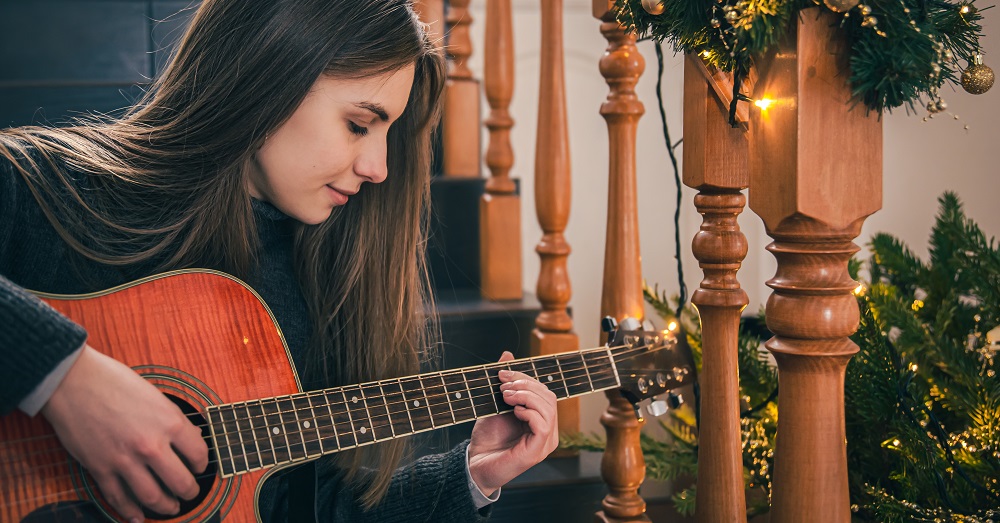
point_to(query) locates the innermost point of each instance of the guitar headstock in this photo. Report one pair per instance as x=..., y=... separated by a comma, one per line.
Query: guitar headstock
x=650, y=363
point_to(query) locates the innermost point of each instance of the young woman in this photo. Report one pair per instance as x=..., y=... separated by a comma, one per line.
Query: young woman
x=287, y=143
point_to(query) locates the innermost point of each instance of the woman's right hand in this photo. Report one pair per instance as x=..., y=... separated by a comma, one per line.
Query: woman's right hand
x=123, y=431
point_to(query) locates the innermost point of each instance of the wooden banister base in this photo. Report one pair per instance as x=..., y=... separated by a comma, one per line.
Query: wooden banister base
x=622, y=468
x=500, y=246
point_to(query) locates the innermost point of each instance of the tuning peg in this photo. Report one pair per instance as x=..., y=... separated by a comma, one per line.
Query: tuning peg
x=608, y=324
x=630, y=324
x=674, y=400
x=657, y=408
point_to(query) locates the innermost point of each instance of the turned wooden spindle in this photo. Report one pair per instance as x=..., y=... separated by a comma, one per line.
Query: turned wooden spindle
x=431, y=12
x=622, y=465
x=461, y=120
x=815, y=175
x=500, y=207
x=715, y=163
x=554, y=328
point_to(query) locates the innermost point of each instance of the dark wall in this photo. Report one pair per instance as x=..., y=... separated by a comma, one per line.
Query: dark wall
x=59, y=58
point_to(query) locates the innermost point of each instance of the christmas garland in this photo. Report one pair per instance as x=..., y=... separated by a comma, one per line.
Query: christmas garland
x=901, y=51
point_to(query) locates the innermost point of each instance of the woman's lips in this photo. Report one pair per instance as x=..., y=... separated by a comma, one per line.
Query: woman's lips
x=338, y=197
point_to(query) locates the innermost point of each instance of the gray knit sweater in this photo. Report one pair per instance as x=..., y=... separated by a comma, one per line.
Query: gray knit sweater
x=34, y=339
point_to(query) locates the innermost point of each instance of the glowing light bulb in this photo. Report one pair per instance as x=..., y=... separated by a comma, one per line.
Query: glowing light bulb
x=672, y=326
x=859, y=290
x=764, y=103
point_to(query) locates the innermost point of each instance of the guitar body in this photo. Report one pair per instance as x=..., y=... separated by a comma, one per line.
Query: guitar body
x=201, y=337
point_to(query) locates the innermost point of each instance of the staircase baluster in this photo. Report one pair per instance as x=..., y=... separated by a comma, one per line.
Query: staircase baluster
x=815, y=175
x=622, y=465
x=500, y=207
x=715, y=163
x=460, y=124
x=553, y=331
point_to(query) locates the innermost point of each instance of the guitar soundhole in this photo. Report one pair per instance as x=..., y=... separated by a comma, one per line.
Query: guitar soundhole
x=206, y=479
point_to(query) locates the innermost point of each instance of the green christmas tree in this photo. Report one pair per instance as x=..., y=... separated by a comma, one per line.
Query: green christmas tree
x=922, y=396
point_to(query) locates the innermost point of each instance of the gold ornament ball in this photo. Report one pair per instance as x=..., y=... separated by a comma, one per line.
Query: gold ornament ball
x=977, y=78
x=869, y=21
x=840, y=6
x=653, y=7
x=864, y=10
x=731, y=16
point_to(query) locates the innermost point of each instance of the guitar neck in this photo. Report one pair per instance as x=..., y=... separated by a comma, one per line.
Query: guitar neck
x=252, y=435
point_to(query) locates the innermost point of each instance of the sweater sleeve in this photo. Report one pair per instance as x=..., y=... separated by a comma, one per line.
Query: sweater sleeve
x=34, y=338
x=433, y=488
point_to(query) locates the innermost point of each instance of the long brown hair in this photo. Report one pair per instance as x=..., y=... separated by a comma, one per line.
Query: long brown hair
x=170, y=188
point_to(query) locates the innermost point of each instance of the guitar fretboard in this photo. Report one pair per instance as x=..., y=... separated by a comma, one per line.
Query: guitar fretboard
x=257, y=434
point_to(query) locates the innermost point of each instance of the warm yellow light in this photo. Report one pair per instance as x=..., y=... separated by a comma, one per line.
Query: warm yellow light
x=913, y=367
x=672, y=326
x=917, y=305
x=895, y=443
x=964, y=10
x=859, y=290
x=706, y=54
x=764, y=103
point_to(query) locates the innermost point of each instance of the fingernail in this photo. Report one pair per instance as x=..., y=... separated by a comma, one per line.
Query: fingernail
x=505, y=373
x=508, y=392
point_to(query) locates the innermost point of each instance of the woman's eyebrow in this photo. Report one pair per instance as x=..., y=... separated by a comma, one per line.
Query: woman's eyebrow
x=375, y=108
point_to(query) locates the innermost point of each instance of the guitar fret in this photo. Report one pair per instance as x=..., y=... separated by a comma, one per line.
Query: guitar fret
x=306, y=419
x=359, y=413
x=344, y=421
x=604, y=375
x=562, y=376
x=416, y=400
x=437, y=402
x=385, y=404
x=251, y=454
x=472, y=396
x=583, y=362
x=233, y=427
x=333, y=423
x=283, y=454
x=255, y=411
x=573, y=373
x=374, y=402
x=223, y=450
x=290, y=426
x=399, y=415
x=462, y=408
x=406, y=404
x=483, y=399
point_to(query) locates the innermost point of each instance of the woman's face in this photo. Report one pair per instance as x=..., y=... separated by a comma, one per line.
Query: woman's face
x=334, y=142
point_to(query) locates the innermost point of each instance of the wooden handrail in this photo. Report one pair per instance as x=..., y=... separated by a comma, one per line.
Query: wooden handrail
x=815, y=175
x=715, y=163
x=461, y=120
x=622, y=465
x=500, y=207
x=553, y=328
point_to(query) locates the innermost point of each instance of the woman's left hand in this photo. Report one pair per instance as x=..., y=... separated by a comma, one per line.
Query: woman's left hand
x=504, y=446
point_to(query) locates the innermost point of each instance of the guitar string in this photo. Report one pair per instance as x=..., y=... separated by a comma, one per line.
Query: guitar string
x=304, y=440
x=617, y=351
x=341, y=428
x=286, y=450
x=251, y=432
x=422, y=390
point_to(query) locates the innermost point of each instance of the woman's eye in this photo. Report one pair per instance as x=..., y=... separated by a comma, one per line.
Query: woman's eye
x=357, y=129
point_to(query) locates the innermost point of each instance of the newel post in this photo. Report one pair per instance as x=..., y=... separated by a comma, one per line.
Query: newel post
x=815, y=175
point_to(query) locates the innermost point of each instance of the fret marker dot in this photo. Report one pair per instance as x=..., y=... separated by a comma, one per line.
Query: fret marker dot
x=276, y=430
x=363, y=430
x=354, y=399
x=416, y=403
x=458, y=394
x=550, y=378
x=305, y=424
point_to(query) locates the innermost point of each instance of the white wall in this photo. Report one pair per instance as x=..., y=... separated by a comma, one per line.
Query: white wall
x=921, y=161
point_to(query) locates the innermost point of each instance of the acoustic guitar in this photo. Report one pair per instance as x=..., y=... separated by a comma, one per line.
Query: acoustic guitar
x=209, y=342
